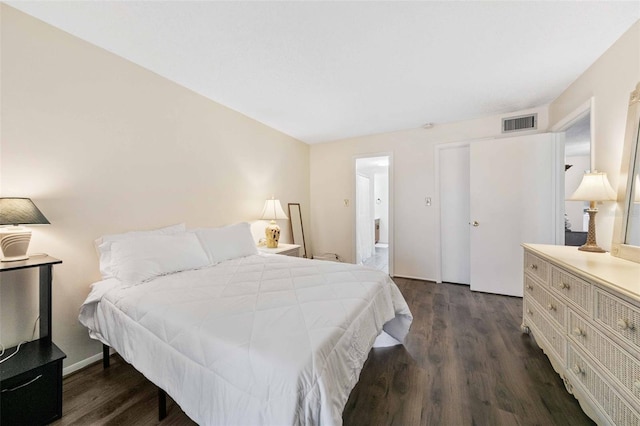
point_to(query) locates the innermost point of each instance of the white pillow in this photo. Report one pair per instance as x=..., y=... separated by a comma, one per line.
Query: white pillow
x=227, y=242
x=103, y=244
x=136, y=260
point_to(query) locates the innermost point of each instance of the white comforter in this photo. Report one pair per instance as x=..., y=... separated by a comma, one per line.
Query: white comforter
x=260, y=340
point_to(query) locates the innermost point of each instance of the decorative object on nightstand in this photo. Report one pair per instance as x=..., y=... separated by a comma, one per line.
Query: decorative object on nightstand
x=15, y=239
x=31, y=373
x=272, y=211
x=594, y=187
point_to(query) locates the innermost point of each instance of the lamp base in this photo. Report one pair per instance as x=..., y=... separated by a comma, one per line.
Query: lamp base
x=591, y=245
x=272, y=231
x=14, y=242
x=593, y=248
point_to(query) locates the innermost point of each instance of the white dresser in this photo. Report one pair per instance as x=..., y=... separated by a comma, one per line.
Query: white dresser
x=583, y=310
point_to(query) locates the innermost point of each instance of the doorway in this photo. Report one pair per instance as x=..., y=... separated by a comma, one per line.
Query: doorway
x=576, y=133
x=577, y=161
x=372, y=212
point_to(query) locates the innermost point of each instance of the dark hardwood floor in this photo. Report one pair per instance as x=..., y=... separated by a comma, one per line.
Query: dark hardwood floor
x=465, y=362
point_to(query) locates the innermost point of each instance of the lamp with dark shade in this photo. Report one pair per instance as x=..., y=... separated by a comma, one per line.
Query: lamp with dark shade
x=272, y=211
x=594, y=187
x=14, y=240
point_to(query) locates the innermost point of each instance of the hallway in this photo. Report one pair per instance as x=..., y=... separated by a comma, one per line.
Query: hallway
x=380, y=260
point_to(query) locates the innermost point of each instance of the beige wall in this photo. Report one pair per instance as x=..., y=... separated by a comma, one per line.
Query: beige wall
x=609, y=80
x=104, y=146
x=413, y=179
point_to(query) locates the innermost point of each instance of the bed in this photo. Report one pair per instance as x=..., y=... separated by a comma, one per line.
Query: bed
x=241, y=337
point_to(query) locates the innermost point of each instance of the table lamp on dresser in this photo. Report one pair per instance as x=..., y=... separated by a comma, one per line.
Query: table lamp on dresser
x=14, y=240
x=594, y=187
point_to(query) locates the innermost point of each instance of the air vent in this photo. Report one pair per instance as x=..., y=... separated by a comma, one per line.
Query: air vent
x=519, y=124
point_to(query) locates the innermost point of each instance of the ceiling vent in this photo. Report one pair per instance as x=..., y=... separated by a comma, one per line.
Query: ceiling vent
x=520, y=123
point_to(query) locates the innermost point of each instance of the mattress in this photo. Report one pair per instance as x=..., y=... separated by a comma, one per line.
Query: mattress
x=259, y=340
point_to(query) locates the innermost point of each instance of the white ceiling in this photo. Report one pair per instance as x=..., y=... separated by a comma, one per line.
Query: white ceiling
x=323, y=71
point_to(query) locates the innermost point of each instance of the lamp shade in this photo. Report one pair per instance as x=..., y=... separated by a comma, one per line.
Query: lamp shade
x=594, y=187
x=20, y=211
x=273, y=210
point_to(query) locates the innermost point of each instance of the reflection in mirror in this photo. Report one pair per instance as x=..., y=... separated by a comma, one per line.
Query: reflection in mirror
x=626, y=232
x=577, y=160
x=633, y=218
x=297, y=231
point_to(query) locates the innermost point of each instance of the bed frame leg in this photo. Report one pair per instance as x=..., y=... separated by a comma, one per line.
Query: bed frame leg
x=105, y=356
x=162, y=404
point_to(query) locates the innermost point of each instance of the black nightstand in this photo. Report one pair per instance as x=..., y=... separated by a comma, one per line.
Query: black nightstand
x=31, y=381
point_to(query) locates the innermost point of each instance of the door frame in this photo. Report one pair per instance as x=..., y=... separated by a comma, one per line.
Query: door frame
x=584, y=109
x=391, y=205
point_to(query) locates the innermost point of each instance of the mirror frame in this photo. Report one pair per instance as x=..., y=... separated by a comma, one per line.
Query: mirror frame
x=297, y=217
x=618, y=246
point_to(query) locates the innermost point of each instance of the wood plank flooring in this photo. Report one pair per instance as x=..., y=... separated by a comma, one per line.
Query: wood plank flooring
x=465, y=362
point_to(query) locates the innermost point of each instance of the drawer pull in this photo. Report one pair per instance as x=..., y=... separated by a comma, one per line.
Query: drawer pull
x=529, y=311
x=551, y=307
x=623, y=324
x=533, y=267
x=578, y=370
x=529, y=287
x=22, y=385
x=565, y=286
x=578, y=332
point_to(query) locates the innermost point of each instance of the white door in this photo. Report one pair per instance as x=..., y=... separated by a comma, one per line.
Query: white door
x=512, y=201
x=364, y=220
x=454, y=214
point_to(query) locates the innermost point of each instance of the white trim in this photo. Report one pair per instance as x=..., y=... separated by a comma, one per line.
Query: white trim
x=392, y=242
x=587, y=107
x=584, y=109
x=558, y=184
x=84, y=363
x=570, y=119
x=409, y=277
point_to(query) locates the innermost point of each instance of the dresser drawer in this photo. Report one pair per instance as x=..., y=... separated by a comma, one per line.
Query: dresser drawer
x=618, y=316
x=551, y=304
x=32, y=398
x=624, y=367
x=547, y=332
x=607, y=398
x=572, y=288
x=536, y=267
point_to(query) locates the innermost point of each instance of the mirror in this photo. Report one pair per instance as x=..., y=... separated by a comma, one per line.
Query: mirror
x=297, y=231
x=632, y=236
x=626, y=232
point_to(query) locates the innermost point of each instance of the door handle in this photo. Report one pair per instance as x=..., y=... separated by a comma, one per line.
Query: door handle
x=475, y=223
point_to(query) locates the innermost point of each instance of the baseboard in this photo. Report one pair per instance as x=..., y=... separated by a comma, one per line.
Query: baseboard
x=413, y=278
x=84, y=363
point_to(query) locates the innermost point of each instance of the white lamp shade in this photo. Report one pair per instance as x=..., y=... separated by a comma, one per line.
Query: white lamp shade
x=273, y=210
x=594, y=187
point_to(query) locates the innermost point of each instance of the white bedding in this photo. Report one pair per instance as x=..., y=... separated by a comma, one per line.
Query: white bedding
x=259, y=340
